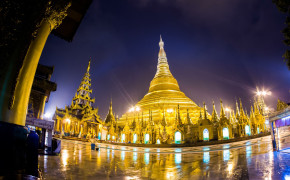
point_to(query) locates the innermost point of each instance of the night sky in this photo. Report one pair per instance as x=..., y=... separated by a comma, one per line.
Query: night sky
x=215, y=49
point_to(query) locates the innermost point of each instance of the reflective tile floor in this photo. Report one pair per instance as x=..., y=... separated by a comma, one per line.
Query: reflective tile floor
x=251, y=159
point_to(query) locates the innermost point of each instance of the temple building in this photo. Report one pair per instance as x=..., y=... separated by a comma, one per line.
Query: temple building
x=166, y=115
x=110, y=131
x=163, y=112
x=80, y=119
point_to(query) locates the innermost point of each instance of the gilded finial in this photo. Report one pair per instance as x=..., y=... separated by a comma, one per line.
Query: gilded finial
x=89, y=66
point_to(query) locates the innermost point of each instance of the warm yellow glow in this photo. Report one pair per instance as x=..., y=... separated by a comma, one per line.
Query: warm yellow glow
x=64, y=157
x=137, y=108
x=170, y=110
x=47, y=115
x=134, y=109
x=230, y=168
x=227, y=109
x=67, y=120
x=263, y=93
x=131, y=109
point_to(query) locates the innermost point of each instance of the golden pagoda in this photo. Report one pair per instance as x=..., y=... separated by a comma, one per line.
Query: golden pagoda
x=164, y=103
x=163, y=97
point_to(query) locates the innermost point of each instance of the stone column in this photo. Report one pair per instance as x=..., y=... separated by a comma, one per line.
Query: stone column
x=14, y=97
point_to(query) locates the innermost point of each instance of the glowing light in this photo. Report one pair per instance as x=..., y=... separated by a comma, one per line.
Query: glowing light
x=206, y=157
x=131, y=109
x=67, y=120
x=263, y=93
x=227, y=109
x=205, y=135
x=178, y=158
x=158, y=141
x=135, y=156
x=123, y=155
x=247, y=130
x=108, y=137
x=286, y=118
x=64, y=157
x=230, y=168
x=135, y=138
x=137, y=108
x=134, y=109
x=47, y=115
x=225, y=133
x=248, y=152
x=123, y=137
x=146, y=158
x=170, y=110
x=177, y=137
x=147, y=137
x=113, y=137
x=226, y=155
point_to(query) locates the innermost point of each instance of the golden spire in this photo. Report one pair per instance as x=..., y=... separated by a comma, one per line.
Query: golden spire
x=222, y=114
x=204, y=107
x=214, y=113
x=162, y=54
x=237, y=109
x=200, y=114
x=89, y=66
x=241, y=108
x=163, y=79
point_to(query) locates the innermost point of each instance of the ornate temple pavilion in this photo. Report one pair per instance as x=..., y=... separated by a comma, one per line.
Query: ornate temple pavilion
x=80, y=119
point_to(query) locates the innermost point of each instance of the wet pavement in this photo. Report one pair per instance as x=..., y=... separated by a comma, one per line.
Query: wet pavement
x=251, y=159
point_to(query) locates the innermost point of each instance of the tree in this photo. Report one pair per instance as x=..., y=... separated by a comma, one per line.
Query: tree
x=284, y=7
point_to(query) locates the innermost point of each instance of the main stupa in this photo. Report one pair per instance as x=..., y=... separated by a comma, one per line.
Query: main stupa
x=164, y=100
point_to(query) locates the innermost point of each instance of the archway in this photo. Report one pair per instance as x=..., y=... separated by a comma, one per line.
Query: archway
x=177, y=137
x=146, y=140
x=108, y=137
x=225, y=133
x=123, y=138
x=99, y=136
x=248, y=130
x=135, y=138
x=205, y=135
x=158, y=141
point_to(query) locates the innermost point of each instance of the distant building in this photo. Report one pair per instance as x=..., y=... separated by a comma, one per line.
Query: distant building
x=80, y=119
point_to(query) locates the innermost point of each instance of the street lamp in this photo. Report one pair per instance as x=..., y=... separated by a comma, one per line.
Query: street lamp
x=263, y=93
